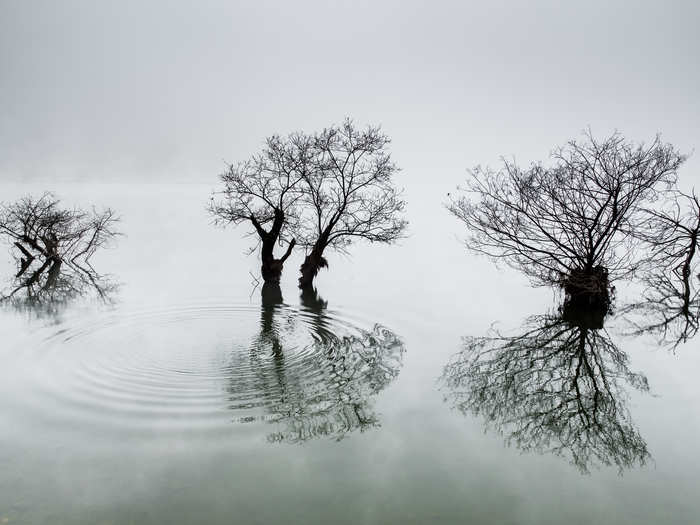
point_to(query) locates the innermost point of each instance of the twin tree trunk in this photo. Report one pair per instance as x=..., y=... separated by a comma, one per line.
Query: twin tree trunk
x=271, y=268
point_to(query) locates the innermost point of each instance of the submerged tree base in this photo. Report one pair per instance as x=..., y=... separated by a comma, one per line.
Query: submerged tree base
x=588, y=297
x=309, y=269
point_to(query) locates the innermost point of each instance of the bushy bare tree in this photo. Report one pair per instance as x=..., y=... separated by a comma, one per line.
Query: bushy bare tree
x=572, y=223
x=263, y=193
x=349, y=195
x=54, y=248
x=556, y=388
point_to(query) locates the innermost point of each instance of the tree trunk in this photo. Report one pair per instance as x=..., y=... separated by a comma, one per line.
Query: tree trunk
x=312, y=264
x=271, y=268
x=686, y=271
x=588, y=294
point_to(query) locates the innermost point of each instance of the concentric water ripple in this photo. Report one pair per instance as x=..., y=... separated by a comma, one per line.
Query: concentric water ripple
x=290, y=374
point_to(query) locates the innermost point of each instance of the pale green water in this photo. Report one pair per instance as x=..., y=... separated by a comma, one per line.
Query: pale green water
x=189, y=401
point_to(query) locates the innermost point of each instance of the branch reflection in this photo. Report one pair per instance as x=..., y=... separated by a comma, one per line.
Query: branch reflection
x=45, y=285
x=52, y=247
x=669, y=310
x=558, y=388
x=322, y=386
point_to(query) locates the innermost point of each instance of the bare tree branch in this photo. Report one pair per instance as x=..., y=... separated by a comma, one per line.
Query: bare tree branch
x=571, y=223
x=556, y=388
x=349, y=194
x=263, y=192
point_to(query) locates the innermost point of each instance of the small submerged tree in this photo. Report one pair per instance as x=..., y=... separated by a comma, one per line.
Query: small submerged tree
x=55, y=246
x=349, y=195
x=570, y=224
x=263, y=192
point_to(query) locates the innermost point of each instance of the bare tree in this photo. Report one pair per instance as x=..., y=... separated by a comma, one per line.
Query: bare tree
x=670, y=305
x=349, y=195
x=672, y=235
x=569, y=224
x=556, y=388
x=54, y=248
x=263, y=192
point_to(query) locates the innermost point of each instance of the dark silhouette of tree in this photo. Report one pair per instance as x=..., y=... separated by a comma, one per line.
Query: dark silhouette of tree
x=54, y=247
x=263, y=192
x=670, y=304
x=672, y=235
x=556, y=388
x=324, y=389
x=572, y=223
x=349, y=195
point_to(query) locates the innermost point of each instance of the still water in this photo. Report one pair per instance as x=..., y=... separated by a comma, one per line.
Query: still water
x=388, y=396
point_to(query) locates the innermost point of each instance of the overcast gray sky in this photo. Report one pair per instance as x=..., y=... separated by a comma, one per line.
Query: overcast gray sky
x=137, y=90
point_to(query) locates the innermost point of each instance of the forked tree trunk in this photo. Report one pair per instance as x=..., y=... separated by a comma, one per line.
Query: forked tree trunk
x=271, y=268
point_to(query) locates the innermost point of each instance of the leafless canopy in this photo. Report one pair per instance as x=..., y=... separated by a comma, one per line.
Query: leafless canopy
x=55, y=246
x=567, y=219
x=253, y=190
x=556, y=388
x=264, y=193
x=42, y=228
x=322, y=190
x=349, y=195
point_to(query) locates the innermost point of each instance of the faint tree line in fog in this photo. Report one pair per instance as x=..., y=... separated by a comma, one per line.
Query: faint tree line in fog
x=321, y=190
x=53, y=246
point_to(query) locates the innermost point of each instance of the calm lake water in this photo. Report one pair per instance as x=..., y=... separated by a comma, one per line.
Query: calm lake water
x=191, y=398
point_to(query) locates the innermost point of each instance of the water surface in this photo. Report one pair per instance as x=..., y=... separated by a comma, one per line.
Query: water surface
x=192, y=397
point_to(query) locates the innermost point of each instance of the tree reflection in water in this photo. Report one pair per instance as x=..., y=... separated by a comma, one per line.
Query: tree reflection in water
x=320, y=384
x=556, y=388
x=43, y=288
